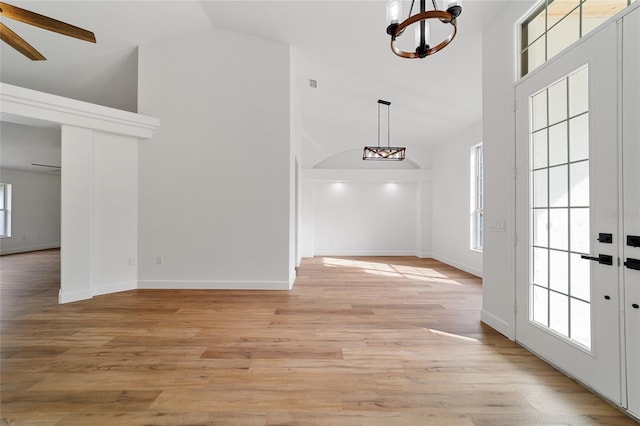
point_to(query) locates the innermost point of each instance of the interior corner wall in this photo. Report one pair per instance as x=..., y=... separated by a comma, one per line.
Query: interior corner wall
x=35, y=211
x=215, y=181
x=498, y=70
x=451, y=193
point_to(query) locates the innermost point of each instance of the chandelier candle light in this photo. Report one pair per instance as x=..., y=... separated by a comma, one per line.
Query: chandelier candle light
x=451, y=10
x=388, y=152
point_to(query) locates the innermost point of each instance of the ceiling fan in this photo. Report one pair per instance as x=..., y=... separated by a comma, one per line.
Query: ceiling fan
x=32, y=18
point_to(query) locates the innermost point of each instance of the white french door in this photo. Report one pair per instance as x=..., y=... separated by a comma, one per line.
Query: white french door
x=568, y=286
x=631, y=204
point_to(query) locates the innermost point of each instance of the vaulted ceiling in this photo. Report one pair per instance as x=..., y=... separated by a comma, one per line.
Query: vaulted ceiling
x=340, y=44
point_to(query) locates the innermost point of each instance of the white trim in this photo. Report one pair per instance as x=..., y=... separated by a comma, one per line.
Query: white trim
x=24, y=105
x=212, y=285
x=292, y=278
x=114, y=288
x=498, y=324
x=456, y=264
x=364, y=253
x=74, y=296
x=424, y=255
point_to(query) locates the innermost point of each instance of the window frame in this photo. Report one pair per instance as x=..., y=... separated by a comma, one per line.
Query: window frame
x=477, y=197
x=5, y=208
x=541, y=7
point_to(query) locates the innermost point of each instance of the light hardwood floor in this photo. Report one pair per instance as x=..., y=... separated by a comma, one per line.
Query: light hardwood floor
x=358, y=341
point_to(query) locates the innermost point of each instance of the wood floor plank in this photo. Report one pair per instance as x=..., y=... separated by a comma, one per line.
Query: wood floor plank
x=358, y=341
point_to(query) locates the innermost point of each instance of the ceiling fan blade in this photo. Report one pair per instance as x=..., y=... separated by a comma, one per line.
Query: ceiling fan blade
x=46, y=165
x=18, y=43
x=45, y=22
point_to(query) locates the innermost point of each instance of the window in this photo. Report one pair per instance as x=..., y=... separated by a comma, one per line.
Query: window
x=556, y=24
x=560, y=282
x=477, y=197
x=5, y=210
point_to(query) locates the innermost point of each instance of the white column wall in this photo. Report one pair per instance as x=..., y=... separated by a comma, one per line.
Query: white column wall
x=76, y=197
x=215, y=182
x=498, y=69
x=99, y=213
x=114, y=233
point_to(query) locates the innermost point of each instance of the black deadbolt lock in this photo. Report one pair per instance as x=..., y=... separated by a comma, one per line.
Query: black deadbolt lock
x=632, y=263
x=633, y=240
x=605, y=238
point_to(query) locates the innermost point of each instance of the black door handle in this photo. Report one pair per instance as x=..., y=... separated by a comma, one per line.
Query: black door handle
x=603, y=259
x=632, y=263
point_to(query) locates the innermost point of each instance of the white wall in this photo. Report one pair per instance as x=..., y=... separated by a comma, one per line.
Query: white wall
x=451, y=206
x=365, y=218
x=498, y=71
x=366, y=212
x=35, y=211
x=215, y=182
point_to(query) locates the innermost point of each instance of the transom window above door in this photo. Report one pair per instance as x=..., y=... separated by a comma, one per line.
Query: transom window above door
x=556, y=24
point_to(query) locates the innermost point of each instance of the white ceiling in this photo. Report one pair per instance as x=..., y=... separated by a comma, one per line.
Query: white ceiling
x=341, y=44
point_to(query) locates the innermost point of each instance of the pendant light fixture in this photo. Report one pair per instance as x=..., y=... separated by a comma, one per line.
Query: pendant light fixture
x=451, y=10
x=384, y=152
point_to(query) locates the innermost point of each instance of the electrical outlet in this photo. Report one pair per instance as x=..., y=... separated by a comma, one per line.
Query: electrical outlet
x=158, y=260
x=132, y=261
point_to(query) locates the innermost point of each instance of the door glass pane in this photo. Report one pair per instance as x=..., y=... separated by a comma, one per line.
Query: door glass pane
x=580, y=320
x=564, y=34
x=541, y=227
x=580, y=277
x=535, y=55
x=540, y=149
x=558, y=102
x=539, y=110
x=535, y=28
x=579, y=184
x=559, y=224
x=541, y=305
x=540, y=266
x=580, y=230
x=558, y=271
x=559, y=229
x=540, y=198
x=595, y=12
x=558, y=144
x=558, y=187
x=559, y=313
x=579, y=138
x=558, y=9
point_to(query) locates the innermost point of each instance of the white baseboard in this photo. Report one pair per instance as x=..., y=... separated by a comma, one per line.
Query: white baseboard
x=213, y=285
x=29, y=248
x=292, y=278
x=456, y=264
x=498, y=324
x=363, y=253
x=114, y=288
x=423, y=255
x=74, y=296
